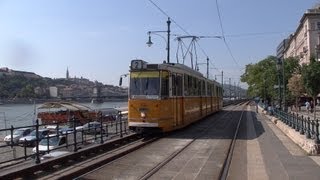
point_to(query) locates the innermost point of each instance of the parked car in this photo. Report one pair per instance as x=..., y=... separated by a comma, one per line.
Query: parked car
x=52, y=141
x=30, y=139
x=17, y=134
x=66, y=130
x=54, y=154
x=91, y=128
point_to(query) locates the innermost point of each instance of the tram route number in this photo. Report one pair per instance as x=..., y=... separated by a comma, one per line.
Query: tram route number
x=138, y=64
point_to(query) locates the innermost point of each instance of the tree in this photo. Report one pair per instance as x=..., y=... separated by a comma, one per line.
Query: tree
x=261, y=78
x=311, y=79
x=295, y=86
x=291, y=67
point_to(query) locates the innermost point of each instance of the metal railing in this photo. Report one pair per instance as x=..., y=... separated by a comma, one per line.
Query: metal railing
x=75, y=138
x=303, y=125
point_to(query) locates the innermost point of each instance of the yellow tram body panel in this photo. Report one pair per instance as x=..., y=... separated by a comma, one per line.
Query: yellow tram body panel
x=170, y=114
x=150, y=113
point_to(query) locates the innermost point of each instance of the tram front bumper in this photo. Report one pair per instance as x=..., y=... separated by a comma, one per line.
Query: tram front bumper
x=143, y=124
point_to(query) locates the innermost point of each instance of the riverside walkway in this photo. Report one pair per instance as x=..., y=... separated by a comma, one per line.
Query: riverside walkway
x=264, y=150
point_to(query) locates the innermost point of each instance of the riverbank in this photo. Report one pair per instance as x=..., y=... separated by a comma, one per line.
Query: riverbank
x=39, y=101
x=25, y=114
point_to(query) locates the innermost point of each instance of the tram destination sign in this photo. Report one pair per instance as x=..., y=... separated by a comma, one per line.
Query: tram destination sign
x=138, y=64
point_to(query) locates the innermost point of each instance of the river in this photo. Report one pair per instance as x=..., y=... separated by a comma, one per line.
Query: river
x=25, y=114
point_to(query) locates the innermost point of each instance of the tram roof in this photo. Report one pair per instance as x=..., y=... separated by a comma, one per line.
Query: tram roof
x=185, y=69
x=173, y=67
x=182, y=67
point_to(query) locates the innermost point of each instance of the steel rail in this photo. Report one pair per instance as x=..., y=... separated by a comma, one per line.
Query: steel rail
x=174, y=154
x=88, y=167
x=226, y=165
x=81, y=155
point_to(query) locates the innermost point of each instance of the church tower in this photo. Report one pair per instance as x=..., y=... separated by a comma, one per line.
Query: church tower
x=67, y=74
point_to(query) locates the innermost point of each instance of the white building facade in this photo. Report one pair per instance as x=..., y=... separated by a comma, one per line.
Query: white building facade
x=305, y=42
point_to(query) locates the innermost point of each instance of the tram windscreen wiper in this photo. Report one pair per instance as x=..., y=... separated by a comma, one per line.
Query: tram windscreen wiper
x=135, y=82
x=147, y=86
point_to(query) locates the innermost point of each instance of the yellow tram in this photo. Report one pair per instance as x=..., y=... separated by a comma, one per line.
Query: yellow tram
x=168, y=96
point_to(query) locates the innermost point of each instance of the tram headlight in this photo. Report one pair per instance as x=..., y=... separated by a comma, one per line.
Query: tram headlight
x=143, y=114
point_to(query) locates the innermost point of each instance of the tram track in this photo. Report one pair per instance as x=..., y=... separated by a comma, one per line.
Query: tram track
x=226, y=165
x=172, y=156
x=153, y=170
x=97, y=161
x=80, y=162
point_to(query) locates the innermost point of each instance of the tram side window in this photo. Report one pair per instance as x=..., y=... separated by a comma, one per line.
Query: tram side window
x=208, y=88
x=216, y=91
x=164, y=83
x=190, y=90
x=192, y=86
x=203, y=88
x=199, y=87
x=195, y=83
x=195, y=86
x=186, y=85
x=174, y=84
x=179, y=85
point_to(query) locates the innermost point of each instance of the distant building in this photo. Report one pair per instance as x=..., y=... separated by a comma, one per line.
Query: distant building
x=305, y=41
x=53, y=91
x=10, y=72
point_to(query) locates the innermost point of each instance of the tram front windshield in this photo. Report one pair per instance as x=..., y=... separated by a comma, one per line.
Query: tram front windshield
x=145, y=83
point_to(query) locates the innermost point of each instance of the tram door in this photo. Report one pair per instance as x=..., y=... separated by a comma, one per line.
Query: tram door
x=177, y=100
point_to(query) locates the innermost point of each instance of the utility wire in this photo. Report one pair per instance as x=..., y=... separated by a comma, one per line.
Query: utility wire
x=207, y=56
x=223, y=36
x=220, y=21
x=255, y=34
x=202, y=49
x=185, y=31
x=166, y=14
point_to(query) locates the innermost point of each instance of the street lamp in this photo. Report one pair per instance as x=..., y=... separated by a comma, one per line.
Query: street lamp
x=149, y=43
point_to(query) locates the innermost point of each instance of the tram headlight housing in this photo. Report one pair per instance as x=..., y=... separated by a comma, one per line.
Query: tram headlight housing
x=143, y=114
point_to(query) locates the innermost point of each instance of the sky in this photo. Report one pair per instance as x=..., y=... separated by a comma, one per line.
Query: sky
x=97, y=39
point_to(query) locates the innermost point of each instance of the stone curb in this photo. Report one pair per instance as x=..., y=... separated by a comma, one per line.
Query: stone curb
x=306, y=144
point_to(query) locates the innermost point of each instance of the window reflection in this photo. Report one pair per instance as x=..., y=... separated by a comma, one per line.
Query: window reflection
x=145, y=83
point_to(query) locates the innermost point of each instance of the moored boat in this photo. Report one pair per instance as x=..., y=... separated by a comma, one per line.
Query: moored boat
x=65, y=112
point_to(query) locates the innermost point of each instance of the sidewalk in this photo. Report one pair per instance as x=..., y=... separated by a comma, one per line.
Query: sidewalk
x=263, y=151
x=306, y=144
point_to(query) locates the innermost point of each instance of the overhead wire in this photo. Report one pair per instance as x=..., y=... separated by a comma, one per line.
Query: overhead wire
x=223, y=35
x=185, y=31
x=256, y=34
x=222, y=31
x=166, y=14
